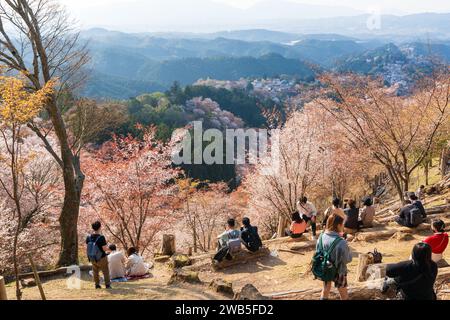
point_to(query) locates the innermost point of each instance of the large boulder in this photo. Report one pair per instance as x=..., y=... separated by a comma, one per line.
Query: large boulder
x=249, y=292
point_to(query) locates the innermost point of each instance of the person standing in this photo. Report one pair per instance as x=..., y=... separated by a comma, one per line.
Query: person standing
x=96, y=252
x=332, y=246
x=309, y=213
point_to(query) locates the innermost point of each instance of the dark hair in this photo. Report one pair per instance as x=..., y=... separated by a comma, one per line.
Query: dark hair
x=352, y=203
x=246, y=222
x=112, y=247
x=422, y=187
x=131, y=251
x=96, y=225
x=438, y=225
x=337, y=202
x=421, y=256
x=231, y=223
x=368, y=202
x=303, y=200
x=413, y=197
x=296, y=217
x=333, y=222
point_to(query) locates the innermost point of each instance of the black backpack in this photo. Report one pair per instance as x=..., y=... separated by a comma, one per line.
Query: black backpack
x=415, y=216
x=93, y=252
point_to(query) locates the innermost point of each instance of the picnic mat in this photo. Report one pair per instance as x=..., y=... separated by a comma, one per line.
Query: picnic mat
x=136, y=278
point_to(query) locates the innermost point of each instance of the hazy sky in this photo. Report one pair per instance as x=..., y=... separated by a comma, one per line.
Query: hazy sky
x=406, y=6
x=177, y=15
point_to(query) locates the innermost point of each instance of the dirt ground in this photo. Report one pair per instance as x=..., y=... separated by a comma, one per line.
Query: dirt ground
x=280, y=272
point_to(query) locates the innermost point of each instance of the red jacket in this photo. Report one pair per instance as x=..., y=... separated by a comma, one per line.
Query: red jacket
x=438, y=242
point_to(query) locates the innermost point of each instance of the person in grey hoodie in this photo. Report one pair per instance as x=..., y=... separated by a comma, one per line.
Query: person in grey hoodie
x=340, y=256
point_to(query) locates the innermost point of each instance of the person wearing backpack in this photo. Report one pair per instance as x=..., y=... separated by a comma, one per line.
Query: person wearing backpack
x=229, y=242
x=415, y=278
x=250, y=237
x=331, y=258
x=96, y=252
x=418, y=204
x=411, y=216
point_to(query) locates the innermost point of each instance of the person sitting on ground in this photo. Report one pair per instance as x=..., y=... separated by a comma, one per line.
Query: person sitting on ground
x=308, y=213
x=228, y=242
x=96, y=252
x=415, y=278
x=367, y=215
x=415, y=201
x=250, y=237
x=334, y=209
x=351, y=217
x=411, y=215
x=298, y=226
x=439, y=241
x=345, y=206
x=340, y=255
x=135, y=266
x=116, y=262
x=420, y=193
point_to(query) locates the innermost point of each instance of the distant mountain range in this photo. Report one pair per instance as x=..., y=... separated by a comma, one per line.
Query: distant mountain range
x=125, y=65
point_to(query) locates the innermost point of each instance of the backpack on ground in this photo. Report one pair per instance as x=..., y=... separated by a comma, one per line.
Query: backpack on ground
x=93, y=251
x=415, y=217
x=322, y=267
x=376, y=256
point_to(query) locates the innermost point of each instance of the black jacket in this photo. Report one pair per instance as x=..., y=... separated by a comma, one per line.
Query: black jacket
x=414, y=283
x=250, y=238
x=351, y=218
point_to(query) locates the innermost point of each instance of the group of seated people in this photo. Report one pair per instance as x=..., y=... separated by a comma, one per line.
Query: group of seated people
x=413, y=214
x=232, y=239
x=131, y=266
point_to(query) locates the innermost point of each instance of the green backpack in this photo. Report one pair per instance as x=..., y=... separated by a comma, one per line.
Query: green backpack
x=322, y=267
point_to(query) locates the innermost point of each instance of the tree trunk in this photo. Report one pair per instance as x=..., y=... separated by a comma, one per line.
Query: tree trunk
x=362, y=267
x=68, y=222
x=73, y=185
x=16, y=264
x=3, y=296
x=427, y=172
x=281, y=226
x=168, y=245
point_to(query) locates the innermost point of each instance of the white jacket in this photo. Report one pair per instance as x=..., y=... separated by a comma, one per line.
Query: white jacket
x=136, y=266
x=116, y=263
